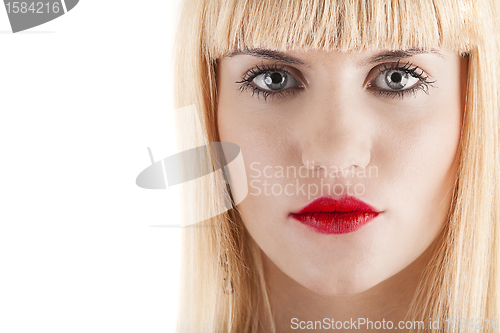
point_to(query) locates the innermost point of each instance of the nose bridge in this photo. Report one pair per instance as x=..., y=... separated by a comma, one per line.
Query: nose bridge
x=336, y=132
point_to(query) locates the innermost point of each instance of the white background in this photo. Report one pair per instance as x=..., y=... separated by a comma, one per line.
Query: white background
x=81, y=99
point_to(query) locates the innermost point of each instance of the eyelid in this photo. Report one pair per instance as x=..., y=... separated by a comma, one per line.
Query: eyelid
x=297, y=74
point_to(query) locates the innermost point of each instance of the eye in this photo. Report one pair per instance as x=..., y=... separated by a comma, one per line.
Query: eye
x=394, y=80
x=275, y=81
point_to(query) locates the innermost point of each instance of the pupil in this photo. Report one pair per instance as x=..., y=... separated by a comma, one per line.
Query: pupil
x=274, y=78
x=396, y=77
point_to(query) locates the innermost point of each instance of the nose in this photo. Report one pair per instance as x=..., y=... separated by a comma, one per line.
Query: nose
x=336, y=135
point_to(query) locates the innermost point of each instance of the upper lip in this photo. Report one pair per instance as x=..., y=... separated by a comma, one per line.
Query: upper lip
x=326, y=204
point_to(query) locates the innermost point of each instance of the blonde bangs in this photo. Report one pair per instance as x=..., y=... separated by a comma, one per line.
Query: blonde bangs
x=343, y=25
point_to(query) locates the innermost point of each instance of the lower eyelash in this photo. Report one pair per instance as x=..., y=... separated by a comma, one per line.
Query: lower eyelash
x=278, y=94
x=404, y=93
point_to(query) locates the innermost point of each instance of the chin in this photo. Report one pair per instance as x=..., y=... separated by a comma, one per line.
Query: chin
x=340, y=287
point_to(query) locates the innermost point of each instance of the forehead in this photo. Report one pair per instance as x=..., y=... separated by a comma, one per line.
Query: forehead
x=341, y=25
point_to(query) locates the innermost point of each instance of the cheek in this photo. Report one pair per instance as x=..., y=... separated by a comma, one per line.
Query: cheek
x=418, y=168
x=266, y=142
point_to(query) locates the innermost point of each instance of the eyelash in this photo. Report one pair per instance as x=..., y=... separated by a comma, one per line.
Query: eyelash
x=424, y=82
x=257, y=70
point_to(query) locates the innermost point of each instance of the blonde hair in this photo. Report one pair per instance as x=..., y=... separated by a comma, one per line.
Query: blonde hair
x=462, y=280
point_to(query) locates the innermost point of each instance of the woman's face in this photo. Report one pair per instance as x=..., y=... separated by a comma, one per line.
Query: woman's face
x=381, y=127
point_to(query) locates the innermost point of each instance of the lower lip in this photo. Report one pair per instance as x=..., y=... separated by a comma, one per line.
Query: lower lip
x=335, y=222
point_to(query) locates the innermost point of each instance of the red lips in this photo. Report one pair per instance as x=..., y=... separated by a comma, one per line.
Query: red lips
x=336, y=216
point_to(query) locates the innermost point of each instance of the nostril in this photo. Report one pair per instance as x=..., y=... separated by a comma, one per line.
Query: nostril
x=313, y=165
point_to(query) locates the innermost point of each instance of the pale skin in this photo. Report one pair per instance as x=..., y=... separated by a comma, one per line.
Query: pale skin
x=331, y=113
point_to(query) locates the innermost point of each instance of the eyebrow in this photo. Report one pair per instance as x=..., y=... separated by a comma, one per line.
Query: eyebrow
x=384, y=56
x=270, y=55
x=398, y=54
